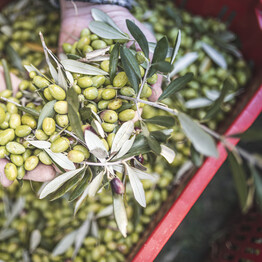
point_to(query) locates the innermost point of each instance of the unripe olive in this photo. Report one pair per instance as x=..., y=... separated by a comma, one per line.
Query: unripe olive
x=3, y=152
x=102, y=104
x=10, y=171
x=110, y=139
x=85, y=81
x=67, y=47
x=31, y=163
x=19, y=95
x=108, y=127
x=29, y=121
x=15, y=148
x=40, y=82
x=90, y=93
x=127, y=115
x=98, y=44
x=152, y=80
x=140, y=57
x=31, y=105
x=48, y=95
x=15, y=121
x=20, y=172
x=85, y=32
x=7, y=136
x=57, y=92
x=87, y=48
x=2, y=115
x=146, y=91
x=120, y=80
x=32, y=74
x=109, y=116
x=60, y=145
x=41, y=135
x=84, y=40
x=61, y=107
x=44, y=158
x=115, y=104
x=127, y=91
x=98, y=80
x=49, y=126
x=17, y=159
x=76, y=156
x=83, y=149
x=108, y=93
x=77, y=89
x=11, y=108
x=94, y=37
x=4, y=125
x=24, y=84
x=27, y=153
x=105, y=65
x=6, y=93
x=93, y=107
x=62, y=120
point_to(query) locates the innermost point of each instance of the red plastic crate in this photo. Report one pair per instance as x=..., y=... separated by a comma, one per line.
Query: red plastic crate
x=246, y=25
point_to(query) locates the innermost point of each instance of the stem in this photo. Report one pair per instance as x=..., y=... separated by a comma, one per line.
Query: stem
x=10, y=101
x=8, y=81
x=143, y=82
x=109, y=163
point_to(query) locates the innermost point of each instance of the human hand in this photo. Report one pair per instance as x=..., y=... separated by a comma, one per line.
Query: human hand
x=72, y=23
x=41, y=173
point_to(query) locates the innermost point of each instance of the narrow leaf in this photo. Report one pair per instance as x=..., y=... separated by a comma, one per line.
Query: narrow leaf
x=167, y=153
x=47, y=111
x=113, y=61
x=120, y=214
x=126, y=147
x=75, y=122
x=258, y=184
x=153, y=144
x=138, y=36
x=176, y=47
x=167, y=121
x=198, y=103
x=61, y=79
x=107, y=211
x=8, y=81
x=176, y=85
x=144, y=176
x=160, y=51
x=35, y=240
x=202, y=141
x=14, y=58
x=7, y=233
x=81, y=199
x=162, y=66
x=95, y=184
x=40, y=144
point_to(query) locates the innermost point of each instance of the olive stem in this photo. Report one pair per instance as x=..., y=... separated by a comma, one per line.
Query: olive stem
x=10, y=101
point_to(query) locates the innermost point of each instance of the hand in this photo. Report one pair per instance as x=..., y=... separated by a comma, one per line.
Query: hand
x=41, y=173
x=72, y=24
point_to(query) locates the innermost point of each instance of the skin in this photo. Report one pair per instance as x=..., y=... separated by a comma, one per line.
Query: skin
x=76, y=16
x=40, y=174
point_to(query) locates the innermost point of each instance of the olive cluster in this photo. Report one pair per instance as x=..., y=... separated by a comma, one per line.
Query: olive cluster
x=25, y=25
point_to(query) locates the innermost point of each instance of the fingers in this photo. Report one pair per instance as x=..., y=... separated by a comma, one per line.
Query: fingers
x=156, y=89
x=14, y=79
x=41, y=173
x=3, y=180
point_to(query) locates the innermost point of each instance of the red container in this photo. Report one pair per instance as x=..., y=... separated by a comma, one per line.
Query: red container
x=247, y=25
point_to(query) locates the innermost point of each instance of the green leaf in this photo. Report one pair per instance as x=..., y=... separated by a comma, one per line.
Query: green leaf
x=251, y=135
x=162, y=135
x=113, y=61
x=167, y=121
x=72, y=99
x=7, y=233
x=196, y=158
x=176, y=47
x=73, y=56
x=47, y=111
x=131, y=67
x=176, y=85
x=228, y=85
x=138, y=36
x=40, y=144
x=8, y=81
x=239, y=179
x=162, y=66
x=86, y=114
x=124, y=107
x=202, y=141
x=106, y=31
x=153, y=144
x=95, y=184
x=29, y=110
x=258, y=184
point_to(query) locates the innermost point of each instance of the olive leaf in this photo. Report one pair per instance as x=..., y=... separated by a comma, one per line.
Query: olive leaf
x=8, y=81
x=61, y=160
x=184, y=62
x=65, y=243
x=162, y=66
x=167, y=121
x=35, y=239
x=239, y=179
x=40, y=144
x=214, y=55
x=136, y=186
x=176, y=85
x=131, y=67
x=144, y=176
x=153, y=144
x=47, y=111
x=202, y=141
x=152, y=47
x=81, y=68
x=167, y=153
x=107, y=211
x=99, y=15
x=113, y=61
x=95, y=184
x=81, y=199
x=54, y=184
x=126, y=147
x=120, y=214
x=106, y=31
x=196, y=157
x=98, y=128
x=94, y=229
x=176, y=47
x=122, y=135
x=258, y=184
x=7, y=233
x=95, y=145
x=61, y=79
x=138, y=36
x=197, y=103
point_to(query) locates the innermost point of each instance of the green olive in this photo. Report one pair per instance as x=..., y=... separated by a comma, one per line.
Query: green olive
x=57, y=92
x=61, y=107
x=120, y=80
x=90, y=93
x=76, y=156
x=108, y=127
x=41, y=135
x=110, y=139
x=48, y=95
x=94, y=37
x=93, y=107
x=40, y=82
x=67, y=47
x=6, y=93
x=60, y=145
x=31, y=163
x=83, y=149
x=98, y=80
x=77, y=88
x=29, y=121
x=115, y=104
x=11, y=108
x=108, y=94
x=49, y=126
x=62, y=120
x=98, y=44
x=27, y=153
x=84, y=40
x=127, y=91
x=85, y=32
x=20, y=172
x=15, y=121
x=105, y=65
x=44, y=158
x=10, y=171
x=109, y=116
x=3, y=152
x=140, y=57
x=146, y=91
x=127, y=115
x=17, y=159
x=2, y=115
x=103, y=104
x=87, y=48
x=7, y=136
x=85, y=81
x=15, y=148
x=152, y=80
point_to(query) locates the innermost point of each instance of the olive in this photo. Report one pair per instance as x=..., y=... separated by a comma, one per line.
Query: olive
x=103, y=104
x=62, y=120
x=109, y=116
x=49, y=126
x=11, y=108
x=2, y=115
x=15, y=121
x=20, y=172
x=152, y=80
x=98, y=80
x=57, y=92
x=115, y=104
x=48, y=95
x=3, y=152
x=85, y=32
x=61, y=144
x=61, y=107
x=108, y=93
x=98, y=44
x=127, y=115
x=31, y=163
x=140, y=57
x=117, y=186
x=67, y=47
x=10, y=171
x=84, y=40
x=127, y=91
x=27, y=154
x=15, y=148
x=7, y=136
x=18, y=160
x=120, y=80
x=41, y=135
x=87, y=49
x=29, y=121
x=105, y=65
x=110, y=139
x=76, y=156
x=85, y=81
x=6, y=93
x=90, y=93
x=40, y=82
x=83, y=149
x=44, y=158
